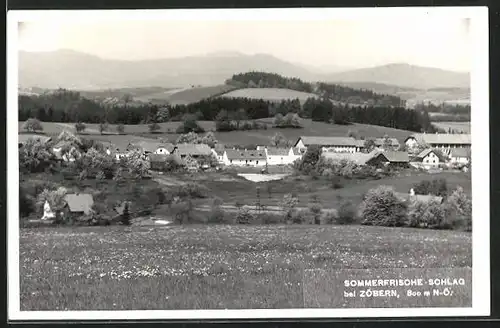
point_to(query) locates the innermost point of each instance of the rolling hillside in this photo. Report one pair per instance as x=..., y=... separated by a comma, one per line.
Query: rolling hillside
x=269, y=94
x=404, y=75
x=186, y=96
x=259, y=137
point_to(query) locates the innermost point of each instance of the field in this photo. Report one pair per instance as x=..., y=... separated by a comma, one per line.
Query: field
x=269, y=94
x=457, y=126
x=237, y=189
x=186, y=95
x=261, y=137
x=211, y=267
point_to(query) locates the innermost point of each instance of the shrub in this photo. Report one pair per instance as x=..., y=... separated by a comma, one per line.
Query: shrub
x=301, y=216
x=315, y=209
x=32, y=125
x=382, y=207
x=328, y=217
x=244, y=216
x=217, y=214
x=288, y=205
x=103, y=127
x=430, y=215
x=437, y=187
x=120, y=128
x=192, y=190
x=346, y=213
x=270, y=218
x=458, y=207
x=336, y=183
x=183, y=212
x=26, y=203
x=80, y=127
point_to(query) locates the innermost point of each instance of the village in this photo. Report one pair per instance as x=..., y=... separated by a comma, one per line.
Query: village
x=419, y=152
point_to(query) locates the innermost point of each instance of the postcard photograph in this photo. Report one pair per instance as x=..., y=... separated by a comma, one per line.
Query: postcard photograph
x=250, y=163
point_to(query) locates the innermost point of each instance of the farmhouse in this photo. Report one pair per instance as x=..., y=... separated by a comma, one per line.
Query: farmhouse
x=330, y=144
x=382, y=143
x=442, y=141
x=281, y=156
x=393, y=158
x=151, y=147
x=78, y=205
x=193, y=150
x=219, y=154
x=24, y=137
x=244, y=157
x=358, y=158
x=459, y=155
x=428, y=158
x=158, y=162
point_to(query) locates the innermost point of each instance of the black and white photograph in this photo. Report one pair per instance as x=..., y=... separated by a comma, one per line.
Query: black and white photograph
x=248, y=163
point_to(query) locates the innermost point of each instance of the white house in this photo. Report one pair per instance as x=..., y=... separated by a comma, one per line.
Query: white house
x=244, y=157
x=330, y=144
x=279, y=156
x=427, y=159
x=442, y=141
x=459, y=155
x=219, y=154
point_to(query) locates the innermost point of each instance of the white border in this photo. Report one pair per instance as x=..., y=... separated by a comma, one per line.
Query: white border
x=480, y=157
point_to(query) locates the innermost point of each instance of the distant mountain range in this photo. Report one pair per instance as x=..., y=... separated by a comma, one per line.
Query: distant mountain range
x=76, y=70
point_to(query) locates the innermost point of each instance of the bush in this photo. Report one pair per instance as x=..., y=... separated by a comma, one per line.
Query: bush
x=32, y=125
x=301, y=216
x=192, y=190
x=217, y=214
x=430, y=215
x=315, y=209
x=120, y=128
x=382, y=207
x=244, y=216
x=346, y=213
x=458, y=208
x=183, y=212
x=336, y=183
x=328, y=217
x=437, y=187
x=80, y=127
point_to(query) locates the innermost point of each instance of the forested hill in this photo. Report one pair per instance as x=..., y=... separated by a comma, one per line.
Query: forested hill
x=69, y=106
x=334, y=92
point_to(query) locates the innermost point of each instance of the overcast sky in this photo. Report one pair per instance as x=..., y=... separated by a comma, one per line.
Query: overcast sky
x=441, y=43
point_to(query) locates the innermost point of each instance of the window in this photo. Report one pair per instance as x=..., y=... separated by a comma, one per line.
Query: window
x=231, y=161
x=256, y=162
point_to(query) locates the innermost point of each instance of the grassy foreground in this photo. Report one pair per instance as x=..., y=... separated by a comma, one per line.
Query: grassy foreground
x=211, y=267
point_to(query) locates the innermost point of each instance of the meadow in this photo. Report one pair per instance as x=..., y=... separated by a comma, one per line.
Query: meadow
x=251, y=137
x=456, y=126
x=185, y=96
x=233, y=189
x=269, y=94
x=211, y=266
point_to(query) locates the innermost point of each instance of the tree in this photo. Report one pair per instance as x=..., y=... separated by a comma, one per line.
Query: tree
x=209, y=139
x=125, y=217
x=382, y=207
x=369, y=144
x=154, y=127
x=190, y=125
x=80, y=127
x=32, y=125
x=278, y=120
x=120, y=128
x=222, y=121
x=190, y=138
x=55, y=198
x=288, y=205
x=103, y=127
x=308, y=162
x=163, y=115
x=279, y=140
x=35, y=156
x=240, y=115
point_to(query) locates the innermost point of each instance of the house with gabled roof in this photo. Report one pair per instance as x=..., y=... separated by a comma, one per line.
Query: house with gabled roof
x=24, y=137
x=279, y=156
x=192, y=150
x=393, y=158
x=330, y=144
x=442, y=141
x=428, y=158
x=245, y=157
x=460, y=155
x=77, y=205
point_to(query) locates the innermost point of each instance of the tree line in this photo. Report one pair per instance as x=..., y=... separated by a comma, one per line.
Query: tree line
x=70, y=106
x=328, y=90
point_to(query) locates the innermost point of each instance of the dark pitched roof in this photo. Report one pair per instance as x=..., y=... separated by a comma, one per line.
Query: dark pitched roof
x=79, y=202
x=193, y=149
x=275, y=151
x=331, y=141
x=396, y=156
x=24, y=137
x=236, y=154
x=442, y=138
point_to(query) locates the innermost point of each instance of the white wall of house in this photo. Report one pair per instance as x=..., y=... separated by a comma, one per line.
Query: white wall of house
x=301, y=145
x=459, y=160
x=277, y=159
x=411, y=142
x=430, y=160
x=341, y=149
